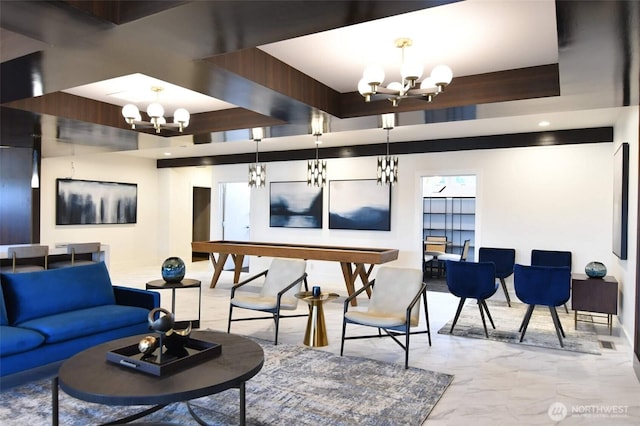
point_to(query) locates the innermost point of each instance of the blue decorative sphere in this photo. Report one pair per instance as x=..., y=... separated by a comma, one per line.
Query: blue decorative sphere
x=595, y=269
x=173, y=270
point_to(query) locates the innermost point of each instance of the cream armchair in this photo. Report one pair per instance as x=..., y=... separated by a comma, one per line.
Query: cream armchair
x=281, y=282
x=394, y=307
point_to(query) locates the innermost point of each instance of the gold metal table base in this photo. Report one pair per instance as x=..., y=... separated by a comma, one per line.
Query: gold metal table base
x=316, y=332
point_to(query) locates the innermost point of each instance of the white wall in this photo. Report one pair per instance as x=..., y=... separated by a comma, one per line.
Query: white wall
x=165, y=199
x=626, y=130
x=550, y=197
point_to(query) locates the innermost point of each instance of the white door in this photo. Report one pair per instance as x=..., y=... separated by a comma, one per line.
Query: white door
x=235, y=215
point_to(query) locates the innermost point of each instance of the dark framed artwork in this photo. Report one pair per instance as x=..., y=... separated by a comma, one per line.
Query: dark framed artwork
x=359, y=204
x=87, y=202
x=295, y=205
x=620, y=200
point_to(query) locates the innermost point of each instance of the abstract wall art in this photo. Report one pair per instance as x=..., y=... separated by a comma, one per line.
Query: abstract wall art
x=295, y=205
x=359, y=204
x=86, y=202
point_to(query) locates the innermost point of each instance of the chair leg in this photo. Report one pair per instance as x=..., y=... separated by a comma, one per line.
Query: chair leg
x=229, y=321
x=426, y=315
x=565, y=308
x=486, y=309
x=455, y=319
x=484, y=323
x=276, y=317
x=406, y=348
x=344, y=327
x=506, y=293
x=525, y=321
x=556, y=323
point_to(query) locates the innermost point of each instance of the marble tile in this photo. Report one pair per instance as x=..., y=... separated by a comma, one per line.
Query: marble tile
x=495, y=383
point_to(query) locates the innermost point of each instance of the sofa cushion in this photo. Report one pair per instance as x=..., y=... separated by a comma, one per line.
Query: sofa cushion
x=39, y=294
x=84, y=322
x=17, y=340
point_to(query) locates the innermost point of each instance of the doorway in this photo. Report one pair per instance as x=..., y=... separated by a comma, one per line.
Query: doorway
x=448, y=210
x=201, y=230
x=235, y=216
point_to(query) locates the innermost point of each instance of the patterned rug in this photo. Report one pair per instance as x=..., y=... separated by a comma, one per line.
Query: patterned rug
x=540, y=331
x=296, y=386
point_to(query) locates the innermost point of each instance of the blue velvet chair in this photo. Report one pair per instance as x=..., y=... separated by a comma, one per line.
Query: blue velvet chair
x=542, y=285
x=551, y=258
x=470, y=280
x=504, y=259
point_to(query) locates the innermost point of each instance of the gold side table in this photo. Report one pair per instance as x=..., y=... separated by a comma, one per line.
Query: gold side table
x=316, y=333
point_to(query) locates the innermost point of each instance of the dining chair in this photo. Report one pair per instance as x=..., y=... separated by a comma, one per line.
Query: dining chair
x=472, y=280
x=542, y=285
x=434, y=247
x=551, y=258
x=27, y=258
x=276, y=293
x=75, y=249
x=394, y=307
x=504, y=259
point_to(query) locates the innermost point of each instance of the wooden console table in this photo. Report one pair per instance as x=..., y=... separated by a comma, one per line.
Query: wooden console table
x=599, y=295
x=354, y=261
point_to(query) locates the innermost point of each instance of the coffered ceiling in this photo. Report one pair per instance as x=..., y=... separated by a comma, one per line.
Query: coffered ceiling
x=275, y=64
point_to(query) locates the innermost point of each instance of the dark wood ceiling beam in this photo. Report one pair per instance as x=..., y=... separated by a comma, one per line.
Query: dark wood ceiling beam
x=73, y=107
x=518, y=140
x=265, y=70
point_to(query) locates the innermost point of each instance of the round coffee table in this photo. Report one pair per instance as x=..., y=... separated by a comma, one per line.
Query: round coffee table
x=89, y=377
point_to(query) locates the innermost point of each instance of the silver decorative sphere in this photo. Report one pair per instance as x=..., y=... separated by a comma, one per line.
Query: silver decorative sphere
x=147, y=345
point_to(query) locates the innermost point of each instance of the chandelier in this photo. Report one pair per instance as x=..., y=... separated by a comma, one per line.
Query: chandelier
x=316, y=169
x=257, y=172
x=387, y=165
x=373, y=76
x=155, y=111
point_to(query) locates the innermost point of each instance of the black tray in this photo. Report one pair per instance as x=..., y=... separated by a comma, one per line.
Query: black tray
x=130, y=357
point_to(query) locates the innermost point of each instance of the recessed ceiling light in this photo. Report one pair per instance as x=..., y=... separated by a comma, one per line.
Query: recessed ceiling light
x=167, y=154
x=543, y=123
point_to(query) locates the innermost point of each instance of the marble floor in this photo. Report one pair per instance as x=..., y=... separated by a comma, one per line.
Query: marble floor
x=495, y=383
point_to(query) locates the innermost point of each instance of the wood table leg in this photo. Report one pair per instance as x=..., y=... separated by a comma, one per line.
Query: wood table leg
x=351, y=275
x=349, y=280
x=364, y=276
x=217, y=267
x=237, y=261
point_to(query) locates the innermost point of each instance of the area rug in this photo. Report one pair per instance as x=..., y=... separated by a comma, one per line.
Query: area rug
x=540, y=331
x=296, y=386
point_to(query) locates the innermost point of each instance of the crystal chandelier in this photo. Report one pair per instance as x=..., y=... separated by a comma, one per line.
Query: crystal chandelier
x=373, y=76
x=155, y=111
x=388, y=165
x=257, y=171
x=316, y=169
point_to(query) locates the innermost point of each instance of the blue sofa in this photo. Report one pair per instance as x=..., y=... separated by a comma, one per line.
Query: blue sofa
x=48, y=316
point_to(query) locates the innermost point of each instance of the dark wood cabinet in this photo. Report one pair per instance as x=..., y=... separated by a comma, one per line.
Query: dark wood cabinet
x=594, y=295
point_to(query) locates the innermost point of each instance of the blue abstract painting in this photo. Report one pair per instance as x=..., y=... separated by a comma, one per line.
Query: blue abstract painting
x=359, y=204
x=295, y=205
